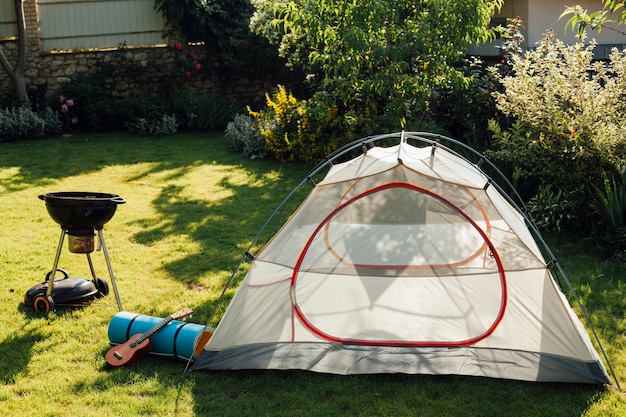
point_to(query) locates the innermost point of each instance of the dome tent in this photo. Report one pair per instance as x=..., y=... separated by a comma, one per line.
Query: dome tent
x=405, y=259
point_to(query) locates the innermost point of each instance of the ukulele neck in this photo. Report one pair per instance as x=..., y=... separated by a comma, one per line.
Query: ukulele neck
x=152, y=331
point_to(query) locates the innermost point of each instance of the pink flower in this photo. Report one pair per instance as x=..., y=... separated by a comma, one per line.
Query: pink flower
x=191, y=54
x=188, y=74
x=61, y=98
x=178, y=46
x=198, y=66
x=69, y=102
x=74, y=120
x=64, y=108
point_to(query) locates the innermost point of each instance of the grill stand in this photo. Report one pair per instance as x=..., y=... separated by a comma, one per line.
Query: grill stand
x=103, y=245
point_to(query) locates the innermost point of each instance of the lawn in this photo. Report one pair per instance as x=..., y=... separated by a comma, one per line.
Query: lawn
x=192, y=207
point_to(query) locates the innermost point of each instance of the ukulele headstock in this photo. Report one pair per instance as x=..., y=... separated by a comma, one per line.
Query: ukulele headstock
x=182, y=313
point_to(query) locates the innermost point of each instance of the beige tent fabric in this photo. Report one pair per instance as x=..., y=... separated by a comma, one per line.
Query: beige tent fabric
x=401, y=261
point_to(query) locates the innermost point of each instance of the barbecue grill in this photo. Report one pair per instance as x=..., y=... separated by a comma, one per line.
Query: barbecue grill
x=82, y=216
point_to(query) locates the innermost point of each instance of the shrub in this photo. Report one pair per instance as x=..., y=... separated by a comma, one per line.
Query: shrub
x=51, y=118
x=568, y=113
x=278, y=121
x=159, y=126
x=200, y=112
x=146, y=105
x=308, y=130
x=20, y=123
x=464, y=112
x=245, y=138
x=223, y=27
x=608, y=203
x=553, y=209
x=91, y=100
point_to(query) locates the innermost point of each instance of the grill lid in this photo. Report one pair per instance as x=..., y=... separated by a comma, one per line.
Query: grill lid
x=81, y=209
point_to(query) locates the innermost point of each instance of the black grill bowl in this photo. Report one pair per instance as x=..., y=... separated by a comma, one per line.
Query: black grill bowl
x=80, y=209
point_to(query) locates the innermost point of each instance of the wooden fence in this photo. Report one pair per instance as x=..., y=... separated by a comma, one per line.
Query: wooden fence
x=8, y=25
x=90, y=24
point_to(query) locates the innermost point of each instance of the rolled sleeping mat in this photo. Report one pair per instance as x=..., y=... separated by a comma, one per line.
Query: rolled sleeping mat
x=177, y=339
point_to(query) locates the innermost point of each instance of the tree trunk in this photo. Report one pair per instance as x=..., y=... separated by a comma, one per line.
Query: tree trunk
x=16, y=74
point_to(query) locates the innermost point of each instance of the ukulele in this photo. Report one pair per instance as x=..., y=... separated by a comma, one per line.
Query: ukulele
x=139, y=345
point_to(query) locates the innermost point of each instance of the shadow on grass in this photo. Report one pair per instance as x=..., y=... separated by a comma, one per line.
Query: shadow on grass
x=288, y=393
x=300, y=393
x=208, y=224
x=16, y=349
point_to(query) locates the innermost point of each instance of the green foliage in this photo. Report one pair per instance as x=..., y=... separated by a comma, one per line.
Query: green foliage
x=511, y=36
x=20, y=123
x=278, y=124
x=609, y=207
x=610, y=200
x=568, y=114
x=222, y=26
x=307, y=130
x=553, y=209
x=388, y=55
x=214, y=20
x=159, y=126
x=146, y=105
x=51, y=119
x=202, y=112
x=245, y=138
x=582, y=20
x=92, y=106
x=464, y=112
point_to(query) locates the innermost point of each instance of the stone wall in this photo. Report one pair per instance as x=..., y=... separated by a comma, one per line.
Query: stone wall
x=128, y=70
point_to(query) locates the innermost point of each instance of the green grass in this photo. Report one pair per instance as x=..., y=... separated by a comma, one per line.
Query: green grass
x=192, y=208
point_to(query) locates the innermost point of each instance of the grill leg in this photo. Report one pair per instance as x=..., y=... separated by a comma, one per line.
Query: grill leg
x=108, y=261
x=55, y=265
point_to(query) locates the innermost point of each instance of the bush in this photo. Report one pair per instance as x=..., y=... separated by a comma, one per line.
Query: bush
x=145, y=105
x=20, y=123
x=608, y=203
x=199, y=112
x=278, y=124
x=54, y=125
x=245, y=138
x=568, y=112
x=464, y=112
x=159, y=126
x=308, y=130
x=92, y=106
x=553, y=209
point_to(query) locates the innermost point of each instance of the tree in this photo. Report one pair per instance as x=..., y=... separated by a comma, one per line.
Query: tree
x=581, y=19
x=388, y=55
x=16, y=74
